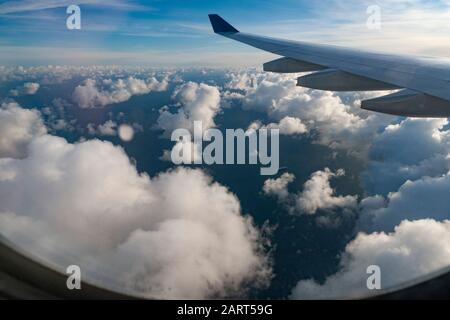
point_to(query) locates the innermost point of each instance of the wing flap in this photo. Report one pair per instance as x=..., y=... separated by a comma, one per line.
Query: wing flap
x=409, y=103
x=337, y=80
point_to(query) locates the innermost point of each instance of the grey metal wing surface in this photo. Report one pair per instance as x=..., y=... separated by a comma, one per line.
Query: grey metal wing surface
x=423, y=83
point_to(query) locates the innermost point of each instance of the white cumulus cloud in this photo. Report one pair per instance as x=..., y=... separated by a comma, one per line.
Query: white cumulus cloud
x=409, y=150
x=28, y=88
x=279, y=187
x=196, y=102
x=177, y=235
x=92, y=93
x=413, y=249
x=336, y=118
x=424, y=198
x=317, y=194
x=109, y=128
x=17, y=128
x=286, y=126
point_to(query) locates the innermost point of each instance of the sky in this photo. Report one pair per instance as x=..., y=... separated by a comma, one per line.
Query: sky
x=177, y=33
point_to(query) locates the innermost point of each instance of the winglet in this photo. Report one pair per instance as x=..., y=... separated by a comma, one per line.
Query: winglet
x=221, y=26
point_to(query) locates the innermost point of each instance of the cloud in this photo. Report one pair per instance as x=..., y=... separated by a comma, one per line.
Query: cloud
x=109, y=128
x=411, y=158
x=57, y=74
x=335, y=119
x=8, y=7
x=286, y=126
x=414, y=249
x=317, y=194
x=405, y=151
x=423, y=198
x=317, y=197
x=406, y=177
x=395, y=151
x=408, y=174
x=278, y=187
x=176, y=235
x=17, y=128
x=197, y=102
x=92, y=94
x=242, y=80
x=405, y=163
x=28, y=88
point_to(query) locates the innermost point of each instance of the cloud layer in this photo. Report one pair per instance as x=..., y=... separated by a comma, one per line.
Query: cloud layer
x=177, y=235
x=17, y=127
x=414, y=249
x=335, y=120
x=405, y=179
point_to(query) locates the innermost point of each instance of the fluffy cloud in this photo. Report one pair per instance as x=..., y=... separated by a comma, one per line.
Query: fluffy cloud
x=409, y=150
x=336, y=118
x=406, y=178
x=109, y=128
x=396, y=151
x=177, y=235
x=317, y=194
x=423, y=198
x=408, y=174
x=196, y=102
x=286, y=126
x=242, y=80
x=410, y=158
x=414, y=249
x=92, y=93
x=17, y=128
x=28, y=88
x=279, y=187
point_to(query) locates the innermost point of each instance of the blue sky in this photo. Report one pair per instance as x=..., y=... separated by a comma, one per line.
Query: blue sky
x=177, y=33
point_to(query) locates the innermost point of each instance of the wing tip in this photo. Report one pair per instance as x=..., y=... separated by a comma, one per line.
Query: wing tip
x=219, y=25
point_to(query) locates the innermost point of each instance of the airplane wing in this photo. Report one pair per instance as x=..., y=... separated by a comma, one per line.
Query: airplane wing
x=423, y=84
